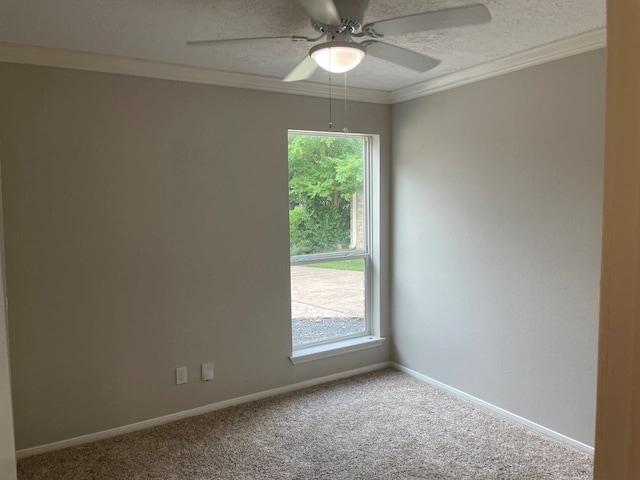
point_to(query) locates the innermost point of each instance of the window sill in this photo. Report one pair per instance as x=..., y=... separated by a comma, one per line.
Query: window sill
x=325, y=350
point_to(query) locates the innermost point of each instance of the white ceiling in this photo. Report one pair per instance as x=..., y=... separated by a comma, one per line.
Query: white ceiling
x=158, y=29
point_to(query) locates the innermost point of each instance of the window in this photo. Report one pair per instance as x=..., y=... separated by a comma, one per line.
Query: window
x=330, y=211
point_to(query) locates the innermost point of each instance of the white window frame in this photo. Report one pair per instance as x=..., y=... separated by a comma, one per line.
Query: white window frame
x=371, y=194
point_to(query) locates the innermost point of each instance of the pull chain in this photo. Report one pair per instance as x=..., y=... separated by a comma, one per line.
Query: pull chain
x=330, y=112
x=346, y=128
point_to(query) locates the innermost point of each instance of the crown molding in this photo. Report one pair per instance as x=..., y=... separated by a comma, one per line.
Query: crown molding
x=566, y=47
x=97, y=62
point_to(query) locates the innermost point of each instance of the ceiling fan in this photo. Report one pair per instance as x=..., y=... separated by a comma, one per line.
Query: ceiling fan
x=340, y=21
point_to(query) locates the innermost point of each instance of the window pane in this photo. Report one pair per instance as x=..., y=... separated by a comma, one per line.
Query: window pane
x=326, y=207
x=327, y=301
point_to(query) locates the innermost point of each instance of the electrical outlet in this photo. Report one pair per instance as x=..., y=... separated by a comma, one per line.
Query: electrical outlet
x=207, y=371
x=181, y=375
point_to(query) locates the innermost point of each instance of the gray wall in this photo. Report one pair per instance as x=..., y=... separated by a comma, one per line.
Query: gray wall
x=496, y=239
x=146, y=228
x=7, y=443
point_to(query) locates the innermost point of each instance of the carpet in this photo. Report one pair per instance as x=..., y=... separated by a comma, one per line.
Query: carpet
x=381, y=425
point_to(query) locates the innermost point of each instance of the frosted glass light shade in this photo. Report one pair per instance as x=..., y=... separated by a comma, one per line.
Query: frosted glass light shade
x=337, y=57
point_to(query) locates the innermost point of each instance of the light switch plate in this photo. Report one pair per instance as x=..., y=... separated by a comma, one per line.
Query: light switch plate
x=181, y=375
x=207, y=371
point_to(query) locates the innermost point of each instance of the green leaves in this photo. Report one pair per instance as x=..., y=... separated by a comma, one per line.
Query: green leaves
x=324, y=172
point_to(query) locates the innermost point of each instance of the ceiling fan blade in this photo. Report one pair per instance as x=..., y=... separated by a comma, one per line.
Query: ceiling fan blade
x=302, y=71
x=400, y=56
x=207, y=43
x=449, y=17
x=323, y=11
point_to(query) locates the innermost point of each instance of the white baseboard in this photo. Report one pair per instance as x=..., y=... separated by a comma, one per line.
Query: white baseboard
x=153, y=422
x=500, y=411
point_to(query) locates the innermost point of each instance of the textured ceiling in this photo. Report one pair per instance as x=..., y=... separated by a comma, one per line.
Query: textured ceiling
x=157, y=30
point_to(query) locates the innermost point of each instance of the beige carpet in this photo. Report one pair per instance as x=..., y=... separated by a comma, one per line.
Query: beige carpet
x=382, y=425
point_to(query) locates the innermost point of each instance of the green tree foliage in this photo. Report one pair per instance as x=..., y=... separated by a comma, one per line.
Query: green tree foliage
x=324, y=173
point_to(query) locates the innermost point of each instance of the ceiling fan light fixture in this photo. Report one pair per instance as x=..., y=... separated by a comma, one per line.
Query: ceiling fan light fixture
x=337, y=57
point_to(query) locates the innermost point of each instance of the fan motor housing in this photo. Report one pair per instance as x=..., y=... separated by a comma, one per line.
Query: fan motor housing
x=351, y=15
